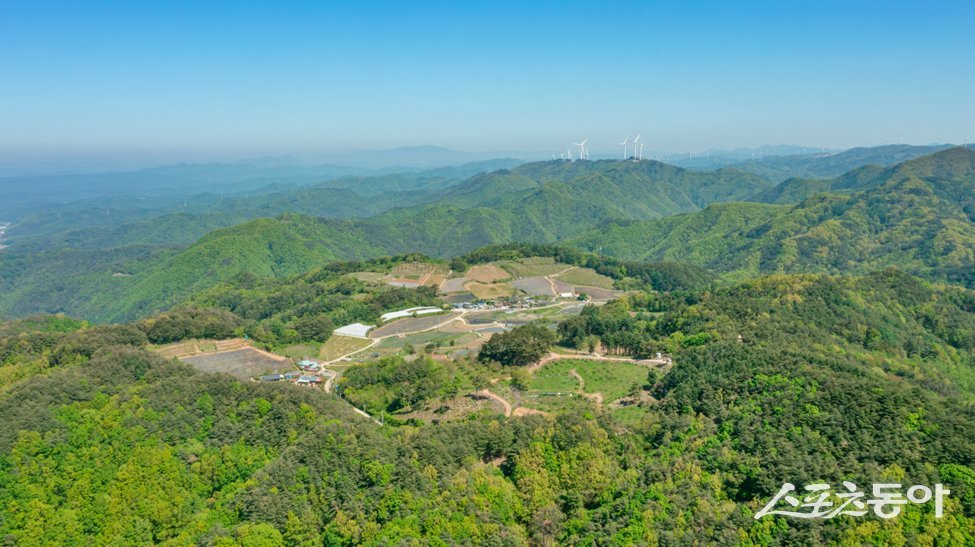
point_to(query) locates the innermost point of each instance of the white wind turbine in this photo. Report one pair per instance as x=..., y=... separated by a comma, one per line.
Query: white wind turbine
x=582, y=149
x=624, y=145
x=569, y=152
x=635, y=141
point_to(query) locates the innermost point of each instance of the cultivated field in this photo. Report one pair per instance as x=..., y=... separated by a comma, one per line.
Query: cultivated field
x=534, y=286
x=454, y=285
x=489, y=292
x=562, y=287
x=423, y=273
x=487, y=273
x=597, y=293
x=187, y=348
x=410, y=324
x=532, y=267
x=423, y=338
x=243, y=363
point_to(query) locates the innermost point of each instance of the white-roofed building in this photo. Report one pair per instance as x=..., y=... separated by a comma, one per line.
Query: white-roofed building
x=409, y=312
x=355, y=330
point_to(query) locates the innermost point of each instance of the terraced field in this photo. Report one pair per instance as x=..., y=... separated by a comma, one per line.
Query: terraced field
x=422, y=273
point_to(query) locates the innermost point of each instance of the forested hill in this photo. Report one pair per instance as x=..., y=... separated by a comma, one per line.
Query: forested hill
x=917, y=216
x=800, y=378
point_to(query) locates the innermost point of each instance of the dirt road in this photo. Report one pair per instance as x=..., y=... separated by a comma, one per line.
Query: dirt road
x=491, y=395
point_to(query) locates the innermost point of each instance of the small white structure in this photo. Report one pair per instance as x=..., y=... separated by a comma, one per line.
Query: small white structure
x=409, y=312
x=567, y=295
x=355, y=330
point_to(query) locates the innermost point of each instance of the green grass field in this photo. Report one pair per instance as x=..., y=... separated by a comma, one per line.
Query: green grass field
x=612, y=380
x=587, y=277
x=299, y=351
x=630, y=415
x=337, y=346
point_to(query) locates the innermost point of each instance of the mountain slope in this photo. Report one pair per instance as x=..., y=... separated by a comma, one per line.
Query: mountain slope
x=916, y=216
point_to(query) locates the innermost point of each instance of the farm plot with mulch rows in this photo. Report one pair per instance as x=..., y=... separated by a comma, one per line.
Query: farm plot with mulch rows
x=243, y=363
x=411, y=324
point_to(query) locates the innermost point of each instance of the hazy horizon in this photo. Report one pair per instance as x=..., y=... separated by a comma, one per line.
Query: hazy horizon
x=117, y=85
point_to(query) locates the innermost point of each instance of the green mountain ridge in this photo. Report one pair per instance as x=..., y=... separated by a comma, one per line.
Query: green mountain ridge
x=916, y=216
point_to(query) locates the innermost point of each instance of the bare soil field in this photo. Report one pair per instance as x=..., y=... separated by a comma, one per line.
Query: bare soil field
x=487, y=273
x=562, y=286
x=597, y=293
x=243, y=363
x=489, y=292
x=187, y=348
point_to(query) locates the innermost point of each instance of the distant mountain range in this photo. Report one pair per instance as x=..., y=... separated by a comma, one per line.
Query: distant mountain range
x=917, y=215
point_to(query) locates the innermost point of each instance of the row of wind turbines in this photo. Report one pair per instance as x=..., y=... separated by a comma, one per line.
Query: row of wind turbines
x=584, y=152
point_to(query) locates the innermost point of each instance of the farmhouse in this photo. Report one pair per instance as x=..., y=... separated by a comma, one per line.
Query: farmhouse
x=308, y=380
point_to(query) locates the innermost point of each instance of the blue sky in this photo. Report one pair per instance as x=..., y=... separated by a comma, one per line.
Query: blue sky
x=198, y=78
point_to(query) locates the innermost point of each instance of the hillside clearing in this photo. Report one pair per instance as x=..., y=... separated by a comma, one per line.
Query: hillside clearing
x=243, y=363
x=585, y=277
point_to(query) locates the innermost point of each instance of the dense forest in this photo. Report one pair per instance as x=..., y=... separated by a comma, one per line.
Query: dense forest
x=786, y=378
